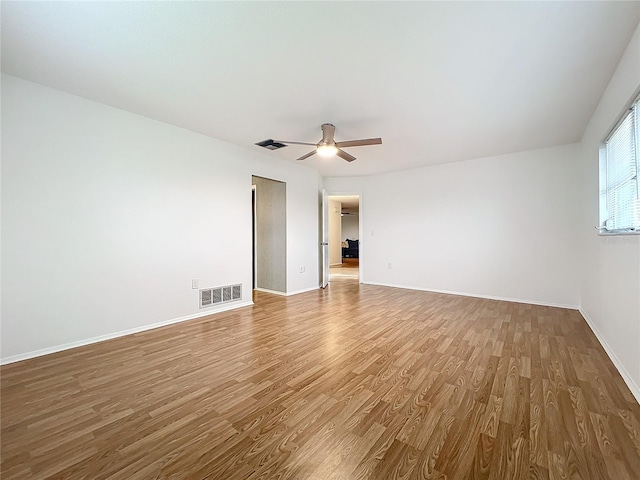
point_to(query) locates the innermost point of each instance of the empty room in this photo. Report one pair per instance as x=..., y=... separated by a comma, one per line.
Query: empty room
x=320, y=240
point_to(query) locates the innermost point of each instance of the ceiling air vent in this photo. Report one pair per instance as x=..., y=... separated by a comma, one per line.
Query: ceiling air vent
x=270, y=144
x=214, y=296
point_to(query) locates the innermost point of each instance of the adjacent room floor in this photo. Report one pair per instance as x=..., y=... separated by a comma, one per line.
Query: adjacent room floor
x=352, y=382
x=349, y=269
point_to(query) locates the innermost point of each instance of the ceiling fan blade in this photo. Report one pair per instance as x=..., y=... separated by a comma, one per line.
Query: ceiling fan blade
x=328, y=130
x=307, y=155
x=358, y=143
x=344, y=155
x=295, y=143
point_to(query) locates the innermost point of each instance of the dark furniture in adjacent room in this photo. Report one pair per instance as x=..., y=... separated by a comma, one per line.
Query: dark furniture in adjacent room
x=352, y=250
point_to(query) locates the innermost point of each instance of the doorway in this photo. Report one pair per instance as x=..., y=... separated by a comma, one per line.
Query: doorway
x=344, y=237
x=269, y=226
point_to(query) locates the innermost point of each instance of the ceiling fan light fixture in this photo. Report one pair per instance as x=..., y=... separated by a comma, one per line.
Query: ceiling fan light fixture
x=327, y=147
x=327, y=150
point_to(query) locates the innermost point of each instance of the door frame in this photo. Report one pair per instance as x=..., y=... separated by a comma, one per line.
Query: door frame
x=254, y=244
x=331, y=193
x=324, y=241
x=273, y=249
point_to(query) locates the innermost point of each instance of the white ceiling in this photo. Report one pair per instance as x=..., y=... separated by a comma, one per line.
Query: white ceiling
x=438, y=81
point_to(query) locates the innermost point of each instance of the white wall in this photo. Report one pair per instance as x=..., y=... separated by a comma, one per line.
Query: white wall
x=108, y=216
x=518, y=226
x=350, y=227
x=344, y=185
x=502, y=227
x=610, y=287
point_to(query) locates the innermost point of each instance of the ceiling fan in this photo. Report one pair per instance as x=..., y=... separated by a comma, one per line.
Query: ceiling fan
x=327, y=147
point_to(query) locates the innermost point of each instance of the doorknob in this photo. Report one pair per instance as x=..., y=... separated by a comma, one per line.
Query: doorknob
x=324, y=244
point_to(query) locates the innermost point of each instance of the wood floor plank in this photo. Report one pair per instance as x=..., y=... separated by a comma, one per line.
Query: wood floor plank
x=351, y=382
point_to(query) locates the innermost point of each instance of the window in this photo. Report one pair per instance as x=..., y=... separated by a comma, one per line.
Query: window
x=619, y=168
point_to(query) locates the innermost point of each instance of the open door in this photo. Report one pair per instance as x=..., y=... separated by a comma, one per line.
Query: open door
x=324, y=244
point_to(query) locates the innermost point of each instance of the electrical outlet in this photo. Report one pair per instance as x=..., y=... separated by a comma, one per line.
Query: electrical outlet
x=302, y=269
x=389, y=265
x=195, y=283
x=372, y=233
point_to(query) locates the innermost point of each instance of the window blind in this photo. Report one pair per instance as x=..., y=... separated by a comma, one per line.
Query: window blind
x=620, y=211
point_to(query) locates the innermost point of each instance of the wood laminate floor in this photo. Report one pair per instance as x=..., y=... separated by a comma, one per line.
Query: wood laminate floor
x=349, y=269
x=353, y=382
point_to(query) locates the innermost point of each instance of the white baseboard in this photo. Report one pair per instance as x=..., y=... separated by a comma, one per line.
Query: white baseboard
x=273, y=292
x=476, y=295
x=633, y=386
x=122, y=333
x=302, y=291
x=286, y=294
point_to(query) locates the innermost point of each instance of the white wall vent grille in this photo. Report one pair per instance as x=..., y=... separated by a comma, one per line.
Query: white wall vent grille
x=205, y=298
x=217, y=295
x=214, y=296
x=236, y=293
